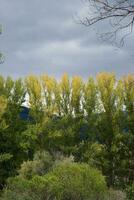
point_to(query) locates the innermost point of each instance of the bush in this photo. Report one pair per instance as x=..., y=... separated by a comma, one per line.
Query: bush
x=80, y=182
x=67, y=181
x=130, y=192
x=38, y=188
x=40, y=165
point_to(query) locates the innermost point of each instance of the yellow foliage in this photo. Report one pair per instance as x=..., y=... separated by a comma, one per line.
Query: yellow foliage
x=76, y=86
x=106, y=85
x=3, y=105
x=90, y=96
x=34, y=88
x=128, y=92
x=65, y=84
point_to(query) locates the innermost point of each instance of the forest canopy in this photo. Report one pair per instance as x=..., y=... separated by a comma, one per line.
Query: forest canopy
x=92, y=121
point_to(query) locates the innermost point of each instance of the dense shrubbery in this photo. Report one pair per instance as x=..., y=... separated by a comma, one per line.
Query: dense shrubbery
x=130, y=192
x=93, y=121
x=40, y=165
x=65, y=181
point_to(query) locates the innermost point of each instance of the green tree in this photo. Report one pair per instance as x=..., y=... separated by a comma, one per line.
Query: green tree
x=12, y=96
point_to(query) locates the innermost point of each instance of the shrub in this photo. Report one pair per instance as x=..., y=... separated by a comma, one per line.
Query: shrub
x=40, y=165
x=80, y=182
x=66, y=181
x=17, y=189
x=38, y=188
x=130, y=192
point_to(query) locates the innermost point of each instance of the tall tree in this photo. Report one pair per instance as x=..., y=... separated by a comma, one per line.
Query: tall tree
x=65, y=89
x=11, y=127
x=76, y=95
x=48, y=86
x=107, y=124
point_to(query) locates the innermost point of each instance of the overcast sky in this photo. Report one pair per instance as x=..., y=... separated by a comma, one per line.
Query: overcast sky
x=41, y=36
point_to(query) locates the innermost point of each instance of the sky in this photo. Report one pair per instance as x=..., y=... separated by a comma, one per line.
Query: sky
x=44, y=37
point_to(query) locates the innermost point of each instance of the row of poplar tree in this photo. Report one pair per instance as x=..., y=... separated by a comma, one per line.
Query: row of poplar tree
x=92, y=120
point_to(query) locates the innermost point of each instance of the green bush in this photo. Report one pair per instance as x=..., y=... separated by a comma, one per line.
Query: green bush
x=66, y=181
x=80, y=182
x=38, y=188
x=130, y=192
x=40, y=165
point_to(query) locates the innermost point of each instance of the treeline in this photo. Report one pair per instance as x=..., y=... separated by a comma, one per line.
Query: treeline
x=91, y=120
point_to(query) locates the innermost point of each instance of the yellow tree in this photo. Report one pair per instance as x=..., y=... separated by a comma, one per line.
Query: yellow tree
x=128, y=96
x=128, y=93
x=33, y=86
x=106, y=86
x=76, y=94
x=2, y=85
x=65, y=89
x=107, y=125
x=57, y=97
x=34, y=89
x=3, y=105
x=9, y=84
x=48, y=86
x=90, y=96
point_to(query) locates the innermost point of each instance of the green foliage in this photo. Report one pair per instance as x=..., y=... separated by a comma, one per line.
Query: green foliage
x=66, y=181
x=11, y=127
x=130, y=192
x=40, y=165
x=93, y=121
x=91, y=153
x=5, y=156
x=39, y=188
x=80, y=181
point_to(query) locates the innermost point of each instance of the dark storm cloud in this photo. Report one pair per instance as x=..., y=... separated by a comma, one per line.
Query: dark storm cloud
x=41, y=36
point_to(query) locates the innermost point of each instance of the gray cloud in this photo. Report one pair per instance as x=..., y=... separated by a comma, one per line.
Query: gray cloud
x=41, y=36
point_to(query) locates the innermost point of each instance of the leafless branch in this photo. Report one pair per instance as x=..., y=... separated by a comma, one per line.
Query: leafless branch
x=119, y=14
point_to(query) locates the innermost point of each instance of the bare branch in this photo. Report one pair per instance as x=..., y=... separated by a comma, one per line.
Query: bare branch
x=120, y=14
